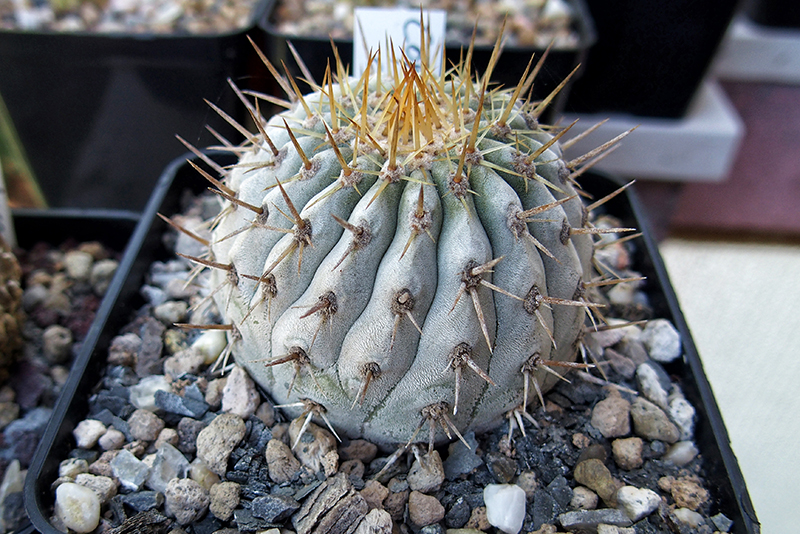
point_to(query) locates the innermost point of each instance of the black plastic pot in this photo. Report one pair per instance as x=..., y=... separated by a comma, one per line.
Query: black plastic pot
x=97, y=114
x=316, y=52
x=722, y=471
x=112, y=228
x=650, y=55
x=774, y=13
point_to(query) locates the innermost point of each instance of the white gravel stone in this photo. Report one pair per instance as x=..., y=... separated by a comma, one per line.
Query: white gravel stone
x=78, y=264
x=143, y=394
x=505, y=506
x=57, y=342
x=200, y=473
x=172, y=311
x=662, y=340
x=637, y=503
x=102, y=273
x=688, y=517
x=682, y=414
x=210, y=344
x=169, y=463
x=77, y=507
x=129, y=470
x=681, y=453
x=87, y=432
x=650, y=385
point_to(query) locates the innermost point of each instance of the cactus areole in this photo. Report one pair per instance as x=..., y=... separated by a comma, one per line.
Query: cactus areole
x=403, y=253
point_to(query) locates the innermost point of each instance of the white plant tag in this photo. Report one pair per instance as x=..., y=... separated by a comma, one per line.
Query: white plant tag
x=376, y=27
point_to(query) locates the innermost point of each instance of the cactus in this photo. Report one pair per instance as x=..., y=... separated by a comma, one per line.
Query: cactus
x=403, y=253
x=11, y=315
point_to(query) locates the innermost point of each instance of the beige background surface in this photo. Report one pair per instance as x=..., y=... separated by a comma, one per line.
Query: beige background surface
x=742, y=304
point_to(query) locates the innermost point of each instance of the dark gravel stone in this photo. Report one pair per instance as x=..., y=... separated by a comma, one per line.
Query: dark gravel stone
x=258, y=435
x=301, y=493
x=188, y=429
x=109, y=419
x=560, y=491
x=175, y=404
x=208, y=525
x=84, y=454
x=589, y=519
x=119, y=376
x=458, y=514
x=14, y=511
x=21, y=437
x=193, y=392
x=545, y=509
x=31, y=383
x=240, y=477
x=252, y=489
x=244, y=459
x=142, y=501
x=113, y=402
x=148, y=359
x=274, y=508
x=502, y=468
x=246, y=521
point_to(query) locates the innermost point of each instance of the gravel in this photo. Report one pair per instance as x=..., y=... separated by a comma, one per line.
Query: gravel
x=209, y=469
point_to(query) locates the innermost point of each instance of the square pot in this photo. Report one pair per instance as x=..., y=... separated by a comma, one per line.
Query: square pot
x=97, y=114
x=722, y=473
x=112, y=228
x=650, y=56
x=316, y=52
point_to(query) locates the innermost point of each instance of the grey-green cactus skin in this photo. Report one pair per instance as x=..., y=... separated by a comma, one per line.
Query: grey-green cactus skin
x=444, y=285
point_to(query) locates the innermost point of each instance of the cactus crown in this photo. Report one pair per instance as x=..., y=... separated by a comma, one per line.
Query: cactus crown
x=396, y=251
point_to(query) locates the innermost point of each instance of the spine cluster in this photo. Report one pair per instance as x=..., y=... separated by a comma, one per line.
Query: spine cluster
x=405, y=251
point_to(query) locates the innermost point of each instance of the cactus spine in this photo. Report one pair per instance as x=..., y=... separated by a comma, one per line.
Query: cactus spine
x=403, y=252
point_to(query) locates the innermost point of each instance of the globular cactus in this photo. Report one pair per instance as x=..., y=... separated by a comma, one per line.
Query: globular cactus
x=403, y=250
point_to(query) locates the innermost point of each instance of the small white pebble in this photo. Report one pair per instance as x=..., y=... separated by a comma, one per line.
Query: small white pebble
x=210, y=344
x=77, y=507
x=78, y=264
x=200, y=473
x=662, y=340
x=143, y=394
x=637, y=502
x=682, y=413
x=689, y=517
x=650, y=386
x=87, y=432
x=681, y=453
x=505, y=506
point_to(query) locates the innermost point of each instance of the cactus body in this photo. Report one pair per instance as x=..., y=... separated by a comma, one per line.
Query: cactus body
x=402, y=250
